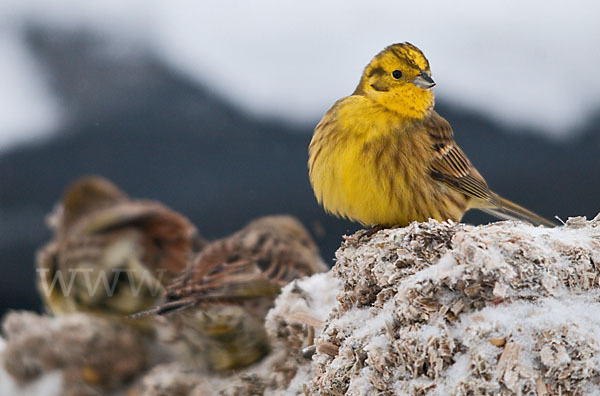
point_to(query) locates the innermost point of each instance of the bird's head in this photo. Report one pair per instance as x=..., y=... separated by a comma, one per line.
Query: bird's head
x=399, y=78
x=86, y=195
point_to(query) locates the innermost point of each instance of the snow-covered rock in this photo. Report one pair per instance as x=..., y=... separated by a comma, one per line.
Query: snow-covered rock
x=452, y=309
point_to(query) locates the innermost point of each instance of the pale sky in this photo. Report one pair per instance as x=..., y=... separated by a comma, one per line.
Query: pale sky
x=527, y=63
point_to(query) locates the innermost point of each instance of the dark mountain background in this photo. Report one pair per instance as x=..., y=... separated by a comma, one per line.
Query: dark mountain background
x=159, y=135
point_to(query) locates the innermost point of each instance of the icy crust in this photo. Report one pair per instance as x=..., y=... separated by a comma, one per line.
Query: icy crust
x=451, y=309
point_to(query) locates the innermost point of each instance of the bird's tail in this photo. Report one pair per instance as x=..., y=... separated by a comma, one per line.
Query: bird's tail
x=507, y=210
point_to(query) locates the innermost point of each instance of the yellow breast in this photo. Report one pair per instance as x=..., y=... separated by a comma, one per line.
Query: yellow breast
x=367, y=165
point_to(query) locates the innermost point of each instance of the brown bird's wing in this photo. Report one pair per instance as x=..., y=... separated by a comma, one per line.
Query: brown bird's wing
x=245, y=265
x=254, y=262
x=224, y=270
x=450, y=165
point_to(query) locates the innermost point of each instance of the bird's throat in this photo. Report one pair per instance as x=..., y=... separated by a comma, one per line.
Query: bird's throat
x=409, y=101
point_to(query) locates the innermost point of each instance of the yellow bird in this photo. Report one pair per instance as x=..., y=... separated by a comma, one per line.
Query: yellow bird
x=384, y=157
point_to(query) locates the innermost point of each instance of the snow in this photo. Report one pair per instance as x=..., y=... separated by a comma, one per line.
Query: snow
x=47, y=385
x=323, y=288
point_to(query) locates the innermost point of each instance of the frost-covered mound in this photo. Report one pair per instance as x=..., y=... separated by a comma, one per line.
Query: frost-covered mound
x=452, y=309
x=433, y=309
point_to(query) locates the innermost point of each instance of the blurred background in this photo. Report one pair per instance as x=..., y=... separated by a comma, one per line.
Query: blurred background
x=209, y=106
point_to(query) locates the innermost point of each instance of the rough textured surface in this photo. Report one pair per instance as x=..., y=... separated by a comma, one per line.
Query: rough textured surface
x=94, y=356
x=451, y=309
x=292, y=326
x=428, y=310
x=83, y=355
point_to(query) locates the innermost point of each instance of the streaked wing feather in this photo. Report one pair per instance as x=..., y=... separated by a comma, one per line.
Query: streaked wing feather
x=450, y=165
x=221, y=271
x=254, y=262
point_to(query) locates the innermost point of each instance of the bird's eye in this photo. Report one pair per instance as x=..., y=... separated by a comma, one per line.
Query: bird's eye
x=396, y=74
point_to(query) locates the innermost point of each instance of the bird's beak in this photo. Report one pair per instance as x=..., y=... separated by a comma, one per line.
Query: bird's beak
x=424, y=81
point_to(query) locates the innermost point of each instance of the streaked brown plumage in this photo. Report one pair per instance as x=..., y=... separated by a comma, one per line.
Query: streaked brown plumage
x=104, y=238
x=220, y=302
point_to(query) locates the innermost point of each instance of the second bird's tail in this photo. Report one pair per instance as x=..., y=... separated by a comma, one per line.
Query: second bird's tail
x=507, y=210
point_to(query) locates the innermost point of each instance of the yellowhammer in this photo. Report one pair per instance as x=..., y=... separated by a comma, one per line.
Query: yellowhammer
x=383, y=156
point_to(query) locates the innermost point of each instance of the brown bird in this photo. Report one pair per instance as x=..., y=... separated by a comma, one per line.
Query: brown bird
x=111, y=254
x=221, y=301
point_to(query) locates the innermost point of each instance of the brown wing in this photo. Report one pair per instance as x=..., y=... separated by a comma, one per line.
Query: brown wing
x=254, y=262
x=169, y=241
x=450, y=165
x=223, y=271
